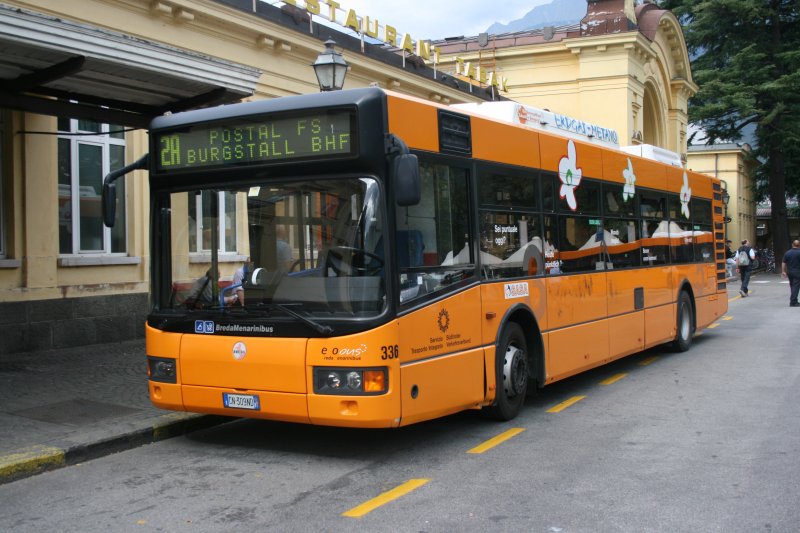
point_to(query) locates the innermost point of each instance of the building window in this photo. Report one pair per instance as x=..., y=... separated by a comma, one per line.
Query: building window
x=203, y=215
x=87, y=151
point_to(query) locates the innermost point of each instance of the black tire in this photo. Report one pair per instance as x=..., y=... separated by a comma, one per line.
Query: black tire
x=685, y=324
x=511, y=371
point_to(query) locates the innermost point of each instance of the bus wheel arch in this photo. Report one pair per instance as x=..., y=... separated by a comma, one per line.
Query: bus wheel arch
x=685, y=319
x=519, y=365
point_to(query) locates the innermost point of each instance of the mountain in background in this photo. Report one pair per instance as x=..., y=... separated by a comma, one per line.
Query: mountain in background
x=556, y=13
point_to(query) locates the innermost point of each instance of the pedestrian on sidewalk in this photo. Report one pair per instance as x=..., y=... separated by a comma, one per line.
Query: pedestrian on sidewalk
x=730, y=259
x=744, y=262
x=791, y=269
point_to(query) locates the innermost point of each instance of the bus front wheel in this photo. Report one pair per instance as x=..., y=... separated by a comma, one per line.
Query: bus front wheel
x=511, y=374
x=685, y=323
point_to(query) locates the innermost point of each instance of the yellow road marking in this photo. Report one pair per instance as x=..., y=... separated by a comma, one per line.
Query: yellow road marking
x=648, y=361
x=712, y=326
x=386, y=497
x=563, y=405
x=726, y=317
x=494, y=441
x=613, y=379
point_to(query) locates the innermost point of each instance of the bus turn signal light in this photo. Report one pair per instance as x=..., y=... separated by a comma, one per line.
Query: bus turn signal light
x=374, y=381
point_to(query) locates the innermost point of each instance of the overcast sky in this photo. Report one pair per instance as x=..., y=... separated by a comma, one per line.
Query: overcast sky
x=436, y=19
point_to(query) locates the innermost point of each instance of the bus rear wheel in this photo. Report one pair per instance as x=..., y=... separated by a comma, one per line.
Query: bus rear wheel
x=511, y=374
x=685, y=323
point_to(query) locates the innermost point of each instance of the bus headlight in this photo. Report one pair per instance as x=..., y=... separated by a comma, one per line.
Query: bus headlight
x=334, y=380
x=350, y=381
x=354, y=380
x=161, y=369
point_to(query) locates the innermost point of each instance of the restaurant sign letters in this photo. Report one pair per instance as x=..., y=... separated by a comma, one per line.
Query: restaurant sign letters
x=370, y=27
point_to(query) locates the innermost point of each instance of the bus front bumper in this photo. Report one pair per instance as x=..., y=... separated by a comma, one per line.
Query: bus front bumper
x=328, y=410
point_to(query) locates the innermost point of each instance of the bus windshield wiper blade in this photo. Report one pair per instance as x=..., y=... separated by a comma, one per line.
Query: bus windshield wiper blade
x=319, y=328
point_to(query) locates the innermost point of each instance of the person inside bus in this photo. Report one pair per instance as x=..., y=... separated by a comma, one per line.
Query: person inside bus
x=202, y=292
x=283, y=250
x=240, y=278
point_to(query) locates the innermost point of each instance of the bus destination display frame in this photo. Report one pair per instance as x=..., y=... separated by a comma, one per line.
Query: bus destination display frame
x=274, y=138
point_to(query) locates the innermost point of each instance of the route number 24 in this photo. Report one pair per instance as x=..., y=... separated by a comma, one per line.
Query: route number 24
x=390, y=352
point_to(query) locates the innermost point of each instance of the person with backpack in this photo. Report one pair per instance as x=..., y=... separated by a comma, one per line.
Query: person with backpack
x=744, y=262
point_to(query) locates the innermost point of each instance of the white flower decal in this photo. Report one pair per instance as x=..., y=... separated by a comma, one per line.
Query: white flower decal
x=629, y=190
x=686, y=195
x=570, y=175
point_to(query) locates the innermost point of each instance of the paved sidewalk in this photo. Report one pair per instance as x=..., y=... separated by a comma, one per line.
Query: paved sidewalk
x=62, y=407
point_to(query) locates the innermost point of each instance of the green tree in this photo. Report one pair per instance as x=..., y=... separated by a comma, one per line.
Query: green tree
x=746, y=61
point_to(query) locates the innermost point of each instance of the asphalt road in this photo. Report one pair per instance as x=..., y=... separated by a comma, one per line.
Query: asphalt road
x=706, y=440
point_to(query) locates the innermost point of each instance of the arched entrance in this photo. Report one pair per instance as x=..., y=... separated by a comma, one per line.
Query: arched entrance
x=653, y=126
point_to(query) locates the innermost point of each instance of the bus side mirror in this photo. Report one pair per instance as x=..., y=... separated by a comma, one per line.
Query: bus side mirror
x=109, y=197
x=405, y=174
x=109, y=203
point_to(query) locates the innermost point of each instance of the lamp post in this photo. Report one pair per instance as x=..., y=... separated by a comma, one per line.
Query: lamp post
x=330, y=68
x=725, y=199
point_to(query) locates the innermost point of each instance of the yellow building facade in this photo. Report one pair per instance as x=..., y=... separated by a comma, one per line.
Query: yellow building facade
x=735, y=165
x=64, y=279
x=624, y=67
x=81, y=80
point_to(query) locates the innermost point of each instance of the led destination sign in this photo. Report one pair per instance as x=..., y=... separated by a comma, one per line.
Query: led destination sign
x=267, y=140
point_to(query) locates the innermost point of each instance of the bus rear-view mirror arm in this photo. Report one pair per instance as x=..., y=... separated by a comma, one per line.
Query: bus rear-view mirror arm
x=109, y=198
x=403, y=171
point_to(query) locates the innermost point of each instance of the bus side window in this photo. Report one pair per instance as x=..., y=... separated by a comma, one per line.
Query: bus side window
x=622, y=243
x=655, y=242
x=581, y=244
x=433, y=239
x=509, y=223
x=622, y=237
x=511, y=244
x=702, y=221
x=552, y=261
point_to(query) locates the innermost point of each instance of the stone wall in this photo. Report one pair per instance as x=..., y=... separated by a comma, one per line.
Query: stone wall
x=70, y=322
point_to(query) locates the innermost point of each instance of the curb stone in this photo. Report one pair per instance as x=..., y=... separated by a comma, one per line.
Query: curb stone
x=35, y=459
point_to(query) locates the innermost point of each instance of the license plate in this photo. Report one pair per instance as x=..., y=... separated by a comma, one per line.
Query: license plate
x=241, y=401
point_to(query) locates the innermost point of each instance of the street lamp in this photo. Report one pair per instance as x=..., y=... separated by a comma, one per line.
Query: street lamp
x=725, y=199
x=330, y=68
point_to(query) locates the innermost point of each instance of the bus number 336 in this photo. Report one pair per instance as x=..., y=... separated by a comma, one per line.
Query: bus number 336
x=390, y=352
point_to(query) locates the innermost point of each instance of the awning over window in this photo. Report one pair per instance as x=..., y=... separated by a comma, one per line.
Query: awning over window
x=45, y=62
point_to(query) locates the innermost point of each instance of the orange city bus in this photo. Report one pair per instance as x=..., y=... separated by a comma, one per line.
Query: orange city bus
x=367, y=259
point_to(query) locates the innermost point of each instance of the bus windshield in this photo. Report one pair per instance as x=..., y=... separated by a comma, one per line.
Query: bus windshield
x=312, y=250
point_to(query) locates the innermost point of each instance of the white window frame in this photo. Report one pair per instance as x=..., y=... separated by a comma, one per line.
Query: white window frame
x=104, y=141
x=198, y=223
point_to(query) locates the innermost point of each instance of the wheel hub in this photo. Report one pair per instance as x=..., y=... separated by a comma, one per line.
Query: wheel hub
x=685, y=325
x=515, y=371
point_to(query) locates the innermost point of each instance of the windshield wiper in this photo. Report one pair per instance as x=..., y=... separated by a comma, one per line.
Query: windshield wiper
x=319, y=328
